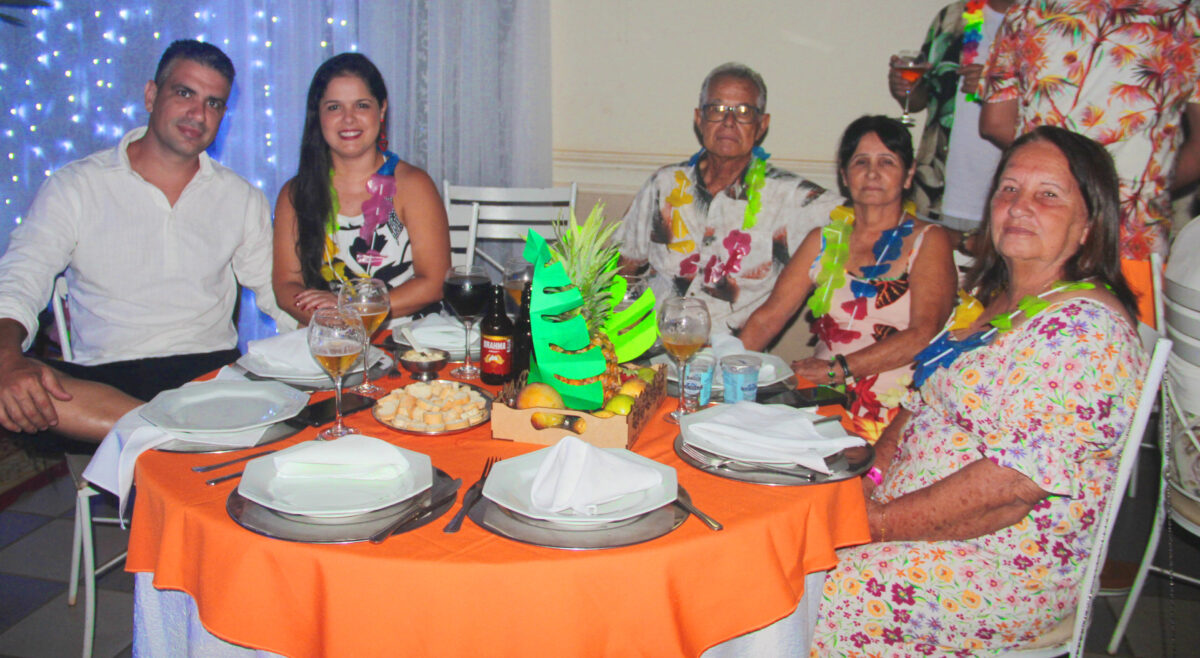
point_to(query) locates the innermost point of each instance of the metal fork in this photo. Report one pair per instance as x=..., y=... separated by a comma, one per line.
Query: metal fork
x=717, y=461
x=471, y=497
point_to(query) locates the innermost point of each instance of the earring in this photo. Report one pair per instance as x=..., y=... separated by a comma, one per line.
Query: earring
x=382, y=142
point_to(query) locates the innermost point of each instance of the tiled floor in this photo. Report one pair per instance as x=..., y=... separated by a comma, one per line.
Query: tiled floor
x=35, y=620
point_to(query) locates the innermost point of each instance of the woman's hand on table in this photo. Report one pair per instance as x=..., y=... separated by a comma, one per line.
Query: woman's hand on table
x=310, y=299
x=815, y=370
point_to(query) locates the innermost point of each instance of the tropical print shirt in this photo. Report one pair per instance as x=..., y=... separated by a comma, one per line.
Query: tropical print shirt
x=942, y=49
x=696, y=246
x=1121, y=72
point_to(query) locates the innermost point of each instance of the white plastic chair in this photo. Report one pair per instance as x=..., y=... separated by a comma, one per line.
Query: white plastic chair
x=507, y=213
x=1056, y=642
x=463, y=221
x=1180, y=404
x=83, y=545
x=57, y=300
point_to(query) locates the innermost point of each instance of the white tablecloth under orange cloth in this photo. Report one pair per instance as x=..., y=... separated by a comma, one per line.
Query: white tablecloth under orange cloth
x=473, y=593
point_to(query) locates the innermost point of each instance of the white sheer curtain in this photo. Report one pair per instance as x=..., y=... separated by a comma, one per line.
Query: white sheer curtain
x=469, y=85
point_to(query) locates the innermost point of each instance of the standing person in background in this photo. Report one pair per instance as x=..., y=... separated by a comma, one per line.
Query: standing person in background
x=954, y=162
x=1124, y=74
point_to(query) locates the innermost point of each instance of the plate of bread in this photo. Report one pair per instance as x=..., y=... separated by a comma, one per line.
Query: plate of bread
x=437, y=407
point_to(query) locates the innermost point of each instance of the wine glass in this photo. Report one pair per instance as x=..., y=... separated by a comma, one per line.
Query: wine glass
x=335, y=339
x=909, y=65
x=517, y=272
x=466, y=290
x=683, y=326
x=368, y=297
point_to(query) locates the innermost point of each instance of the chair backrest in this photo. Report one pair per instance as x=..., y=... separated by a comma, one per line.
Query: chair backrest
x=508, y=213
x=1157, y=281
x=57, y=301
x=463, y=220
x=1108, y=517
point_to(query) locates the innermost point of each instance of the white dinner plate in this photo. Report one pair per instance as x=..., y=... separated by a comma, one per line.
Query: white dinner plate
x=510, y=485
x=332, y=496
x=224, y=406
x=832, y=430
x=305, y=375
x=779, y=371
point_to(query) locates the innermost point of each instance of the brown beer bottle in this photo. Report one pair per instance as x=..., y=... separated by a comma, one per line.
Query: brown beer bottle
x=523, y=349
x=497, y=337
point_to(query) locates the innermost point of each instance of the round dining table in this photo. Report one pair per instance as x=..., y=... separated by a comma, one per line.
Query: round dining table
x=427, y=592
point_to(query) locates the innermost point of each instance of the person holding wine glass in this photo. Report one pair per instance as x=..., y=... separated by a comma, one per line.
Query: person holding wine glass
x=335, y=339
x=683, y=327
x=882, y=281
x=954, y=166
x=369, y=298
x=909, y=65
x=467, y=290
x=354, y=209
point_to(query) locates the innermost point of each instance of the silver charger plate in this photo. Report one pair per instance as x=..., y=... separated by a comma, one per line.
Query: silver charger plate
x=378, y=371
x=277, y=432
x=488, y=399
x=849, y=463
x=627, y=532
x=342, y=530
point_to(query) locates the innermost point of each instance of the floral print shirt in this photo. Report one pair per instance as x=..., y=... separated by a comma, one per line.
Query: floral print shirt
x=1051, y=400
x=942, y=49
x=1119, y=72
x=695, y=245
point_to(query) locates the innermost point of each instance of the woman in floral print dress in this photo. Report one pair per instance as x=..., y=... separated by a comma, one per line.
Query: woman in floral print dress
x=993, y=482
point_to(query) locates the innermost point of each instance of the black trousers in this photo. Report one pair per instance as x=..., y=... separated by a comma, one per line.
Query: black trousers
x=145, y=378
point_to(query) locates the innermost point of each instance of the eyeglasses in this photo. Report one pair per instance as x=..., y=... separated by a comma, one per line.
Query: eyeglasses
x=743, y=113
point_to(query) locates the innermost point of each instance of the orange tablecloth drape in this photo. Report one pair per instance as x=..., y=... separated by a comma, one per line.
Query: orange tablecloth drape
x=473, y=593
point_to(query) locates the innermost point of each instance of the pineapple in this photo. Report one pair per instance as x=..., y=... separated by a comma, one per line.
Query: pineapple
x=588, y=254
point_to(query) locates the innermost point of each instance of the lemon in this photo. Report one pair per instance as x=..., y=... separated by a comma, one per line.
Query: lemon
x=620, y=404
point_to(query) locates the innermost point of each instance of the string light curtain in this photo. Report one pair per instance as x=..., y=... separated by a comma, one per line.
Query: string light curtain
x=469, y=85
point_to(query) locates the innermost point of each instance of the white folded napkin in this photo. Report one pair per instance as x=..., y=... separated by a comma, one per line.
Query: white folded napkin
x=288, y=352
x=442, y=332
x=112, y=466
x=352, y=457
x=750, y=431
x=578, y=476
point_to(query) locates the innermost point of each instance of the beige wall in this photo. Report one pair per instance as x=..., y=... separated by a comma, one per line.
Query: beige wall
x=626, y=74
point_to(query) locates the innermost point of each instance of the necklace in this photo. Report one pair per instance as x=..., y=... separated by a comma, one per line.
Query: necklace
x=972, y=34
x=835, y=251
x=944, y=348
x=376, y=210
x=754, y=180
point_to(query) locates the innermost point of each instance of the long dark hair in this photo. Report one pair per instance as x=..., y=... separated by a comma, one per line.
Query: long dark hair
x=310, y=188
x=892, y=133
x=1097, y=259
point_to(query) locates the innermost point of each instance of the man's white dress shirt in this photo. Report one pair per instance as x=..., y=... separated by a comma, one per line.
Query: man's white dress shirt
x=146, y=279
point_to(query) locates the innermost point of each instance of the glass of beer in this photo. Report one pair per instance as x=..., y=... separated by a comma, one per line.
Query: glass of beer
x=467, y=290
x=517, y=272
x=909, y=65
x=683, y=327
x=369, y=298
x=335, y=339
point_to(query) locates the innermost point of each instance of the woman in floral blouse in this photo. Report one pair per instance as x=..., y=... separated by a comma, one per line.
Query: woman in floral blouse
x=992, y=483
x=882, y=281
x=354, y=208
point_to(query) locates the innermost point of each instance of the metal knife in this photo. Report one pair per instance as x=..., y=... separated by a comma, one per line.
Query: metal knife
x=443, y=492
x=709, y=521
x=469, y=499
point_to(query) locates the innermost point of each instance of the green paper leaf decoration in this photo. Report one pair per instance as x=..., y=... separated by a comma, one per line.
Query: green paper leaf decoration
x=632, y=330
x=552, y=295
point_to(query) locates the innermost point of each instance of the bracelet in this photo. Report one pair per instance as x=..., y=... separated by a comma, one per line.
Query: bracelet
x=875, y=475
x=841, y=359
x=882, y=523
x=831, y=373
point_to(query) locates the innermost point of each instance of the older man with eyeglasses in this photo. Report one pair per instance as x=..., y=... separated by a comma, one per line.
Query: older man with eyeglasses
x=722, y=225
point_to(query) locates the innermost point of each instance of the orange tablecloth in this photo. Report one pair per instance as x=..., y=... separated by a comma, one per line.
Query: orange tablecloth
x=473, y=593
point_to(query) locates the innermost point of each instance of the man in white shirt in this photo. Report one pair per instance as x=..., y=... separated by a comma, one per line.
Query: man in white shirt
x=154, y=238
